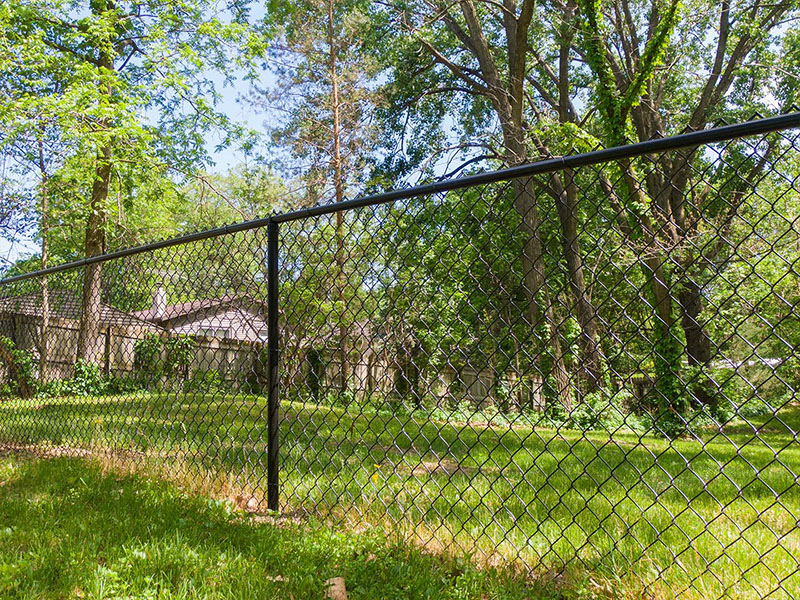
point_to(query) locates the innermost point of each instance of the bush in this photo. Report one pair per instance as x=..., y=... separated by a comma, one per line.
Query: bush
x=205, y=382
x=87, y=381
x=756, y=407
x=148, y=358
x=179, y=354
x=603, y=409
x=20, y=368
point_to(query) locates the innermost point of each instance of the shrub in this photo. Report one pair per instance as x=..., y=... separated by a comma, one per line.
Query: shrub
x=87, y=381
x=180, y=352
x=148, y=358
x=205, y=381
x=602, y=409
x=20, y=367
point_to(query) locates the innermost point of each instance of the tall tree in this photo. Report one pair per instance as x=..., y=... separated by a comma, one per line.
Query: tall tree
x=101, y=72
x=641, y=69
x=485, y=52
x=522, y=71
x=325, y=101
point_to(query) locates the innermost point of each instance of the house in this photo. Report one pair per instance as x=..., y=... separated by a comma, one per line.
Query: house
x=240, y=318
x=229, y=333
x=21, y=320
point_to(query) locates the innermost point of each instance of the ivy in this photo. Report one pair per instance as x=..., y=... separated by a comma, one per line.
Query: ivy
x=613, y=105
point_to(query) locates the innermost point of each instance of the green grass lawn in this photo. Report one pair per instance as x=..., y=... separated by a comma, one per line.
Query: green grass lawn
x=701, y=518
x=69, y=530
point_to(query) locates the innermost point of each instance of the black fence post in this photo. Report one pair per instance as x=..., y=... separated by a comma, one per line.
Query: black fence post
x=272, y=365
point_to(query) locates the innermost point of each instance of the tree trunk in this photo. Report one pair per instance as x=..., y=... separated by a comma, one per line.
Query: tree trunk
x=407, y=378
x=338, y=181
x=538, y=295
x=45, y=227
x=690, y=294
x=565, y=194
x=667, y=348
x=90, y=347
x=89, y=344
x=567, y=205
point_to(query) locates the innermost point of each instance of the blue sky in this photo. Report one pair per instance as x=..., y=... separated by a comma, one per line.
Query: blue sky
x=230, y=103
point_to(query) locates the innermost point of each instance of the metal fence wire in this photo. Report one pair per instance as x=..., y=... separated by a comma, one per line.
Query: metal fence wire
x=586, y=365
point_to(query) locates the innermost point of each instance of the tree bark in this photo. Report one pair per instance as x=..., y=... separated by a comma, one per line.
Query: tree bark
x=45, y=227
x=566, y=198
x=565, y=194
x=540, y=305
x=89, y=344
x=338, y=181
x=508, y=104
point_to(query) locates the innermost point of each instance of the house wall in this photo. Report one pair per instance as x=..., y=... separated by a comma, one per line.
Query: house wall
x=235, y=360
x=234, y=324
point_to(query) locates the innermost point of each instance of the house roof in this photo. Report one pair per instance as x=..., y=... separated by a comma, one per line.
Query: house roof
x=66, y=304
x=185, y=309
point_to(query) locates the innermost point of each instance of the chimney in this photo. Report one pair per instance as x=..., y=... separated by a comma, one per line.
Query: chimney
x=160, y=302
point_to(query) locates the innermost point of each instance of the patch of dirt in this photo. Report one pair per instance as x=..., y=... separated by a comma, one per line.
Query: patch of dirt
x=444, y=466
x=287, y=519
x=40, y=452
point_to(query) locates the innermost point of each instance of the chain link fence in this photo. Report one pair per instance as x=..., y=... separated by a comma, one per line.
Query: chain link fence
x=586, y=365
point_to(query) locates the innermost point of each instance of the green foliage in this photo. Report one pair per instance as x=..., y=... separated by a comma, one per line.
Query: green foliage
x=607, y=411
x=325, y=68
x=346, y=399
x=206, y=381
x=87, y=380
x=21, y=368
x=615, y=105
x=117, y=85
x=119, y=385
x=148, y=357
x=156, y=357
x=668, y=354
x=179, y=352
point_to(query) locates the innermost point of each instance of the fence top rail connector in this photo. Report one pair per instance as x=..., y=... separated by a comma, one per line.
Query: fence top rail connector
x=684, y=140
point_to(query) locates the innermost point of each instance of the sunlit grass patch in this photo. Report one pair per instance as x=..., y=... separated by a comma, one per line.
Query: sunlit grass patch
x=69, y=529
x=713, y=516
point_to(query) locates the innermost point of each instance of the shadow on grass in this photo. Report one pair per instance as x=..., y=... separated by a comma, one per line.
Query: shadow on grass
x=69, y=530
x=623, y=505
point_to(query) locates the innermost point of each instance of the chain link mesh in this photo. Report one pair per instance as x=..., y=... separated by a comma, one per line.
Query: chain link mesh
x=592, y=370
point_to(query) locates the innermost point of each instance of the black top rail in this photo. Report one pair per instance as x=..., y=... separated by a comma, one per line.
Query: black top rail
x=676, y=142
